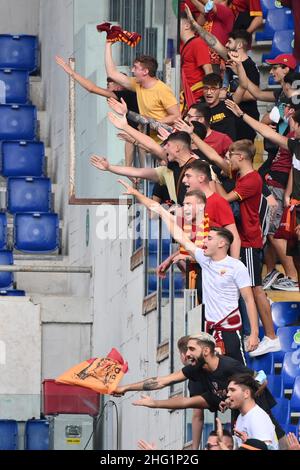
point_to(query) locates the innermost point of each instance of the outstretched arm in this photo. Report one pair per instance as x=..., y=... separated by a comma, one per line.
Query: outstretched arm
x=168, y=218
x=209, y=38
x=153, y=383
x=176, y=403
x=143, y=139
x=263, y=129
x=102, y=164
x=90, y=86
x=203, y=146
x=112, y=71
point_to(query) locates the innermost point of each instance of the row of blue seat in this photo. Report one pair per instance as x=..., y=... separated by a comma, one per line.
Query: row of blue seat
x=36, y=434
x=267, y=5
x=34, y=232
x=277, y=20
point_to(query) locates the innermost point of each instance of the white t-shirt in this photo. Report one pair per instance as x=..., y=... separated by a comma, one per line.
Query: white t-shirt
x=258, y=425
x=221, y=282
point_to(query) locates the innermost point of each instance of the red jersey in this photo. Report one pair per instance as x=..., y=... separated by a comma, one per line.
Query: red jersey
x=221, y=22
x=219, y=142
x=194, y=54
x=195, y=12
x=253, y=6
x=218, y=211
x=249, y=191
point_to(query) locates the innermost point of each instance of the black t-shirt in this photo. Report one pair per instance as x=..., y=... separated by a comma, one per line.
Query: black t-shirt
x=223, y=120
x=217, y=381
x=131, y=100
x=195, y=388
x=162, y=192
x=294, y=148
x=250, y=107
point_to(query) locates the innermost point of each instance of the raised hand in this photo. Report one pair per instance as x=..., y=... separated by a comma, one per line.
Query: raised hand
x=181, y=125
x=130, y=191
x=241, y=434
x=66, y=67
x=118, y=122
x=144, y=445
x=117, y=106
x=292, y=441
x=234, y=108
x=100, y=162
x=162, y=133
x=189, y=14
x=145, y=400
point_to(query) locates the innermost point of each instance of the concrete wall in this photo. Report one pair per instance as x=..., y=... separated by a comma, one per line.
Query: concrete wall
x=19, y=16
x=109, y=313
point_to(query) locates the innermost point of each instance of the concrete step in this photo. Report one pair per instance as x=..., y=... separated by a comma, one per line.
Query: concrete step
x=43, y=131
x=36, y=92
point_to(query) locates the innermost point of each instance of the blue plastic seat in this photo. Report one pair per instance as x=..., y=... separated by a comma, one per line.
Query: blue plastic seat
x=36, y=232
x=277, y=20
x=178, y=285
x=28, y=195
x=37, y=434
x=6, y=278
x=12, y=293
x=267, y=5
x=22, y=158
x=289, y=339
x=285, y=313
x=283, y=43
x=8, y=434
x=16, y=86
x=290, y=368
x=281, y=411
x=17, y=122
x=264, y=362
x=295, y=399
x=153, y=237
x=19, y=52
x=275, y=385
x=3, y=230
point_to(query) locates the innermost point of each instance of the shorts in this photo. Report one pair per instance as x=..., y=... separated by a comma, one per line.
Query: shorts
x=252, y=259
x=278, y=194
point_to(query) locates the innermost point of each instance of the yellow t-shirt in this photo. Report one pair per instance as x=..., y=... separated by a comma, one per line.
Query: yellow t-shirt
x=166, y=177
x=154, y=101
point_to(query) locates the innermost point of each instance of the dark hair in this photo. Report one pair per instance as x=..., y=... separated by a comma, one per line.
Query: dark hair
x=204, y=110
x=212, y=79
x=244, y=146
x=183, y=15
x=243, y=36
x=296, y=116
x=181, y=136
x=291, y=77
x=148, y=62
x=201, y=167
x=198, y=194
x=200, y=129
x=246, y=381
x=182, y=344
x=224, y=233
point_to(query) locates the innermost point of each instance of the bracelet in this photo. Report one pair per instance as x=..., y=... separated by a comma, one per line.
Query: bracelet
x=241, y=115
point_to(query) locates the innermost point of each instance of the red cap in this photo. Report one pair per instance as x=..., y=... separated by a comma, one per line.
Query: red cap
x=284, y=59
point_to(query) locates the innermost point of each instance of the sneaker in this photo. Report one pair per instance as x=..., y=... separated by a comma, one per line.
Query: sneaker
x=286, y=284
x=270, y=278
x=265, y=346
